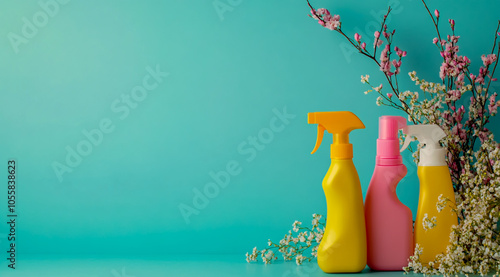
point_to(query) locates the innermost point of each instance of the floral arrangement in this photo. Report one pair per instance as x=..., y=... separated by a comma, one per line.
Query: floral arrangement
x=462, y=103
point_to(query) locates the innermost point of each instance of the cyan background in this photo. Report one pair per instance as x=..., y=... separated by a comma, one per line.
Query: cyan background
x=227, y=74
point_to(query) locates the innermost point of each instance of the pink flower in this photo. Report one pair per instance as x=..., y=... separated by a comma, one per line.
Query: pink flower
x=493, y=106
x=322, y=11
x=313, y=14
x=454, y=95
x=480, y=79
x=397, y=65
x=334, y=23
x=399, y=52
x=487, y=60
x=443, y=70
x=377, y=34
x=357, y=37
x=436, y=13
x=452, y=24
x=457, y=130
x=460, y=80
x=385, y=64
x=483, y=136
x=389, y=95
x=363, y=46
x=435, y=40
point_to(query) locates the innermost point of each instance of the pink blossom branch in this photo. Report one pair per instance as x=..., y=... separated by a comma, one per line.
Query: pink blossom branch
x=435, y=24
x=404, y=106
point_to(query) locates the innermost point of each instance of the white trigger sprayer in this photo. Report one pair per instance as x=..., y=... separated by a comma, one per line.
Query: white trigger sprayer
x=432, y=154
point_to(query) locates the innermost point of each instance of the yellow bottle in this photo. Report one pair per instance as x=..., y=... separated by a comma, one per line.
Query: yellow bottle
x=343, y=247
x=435, y=180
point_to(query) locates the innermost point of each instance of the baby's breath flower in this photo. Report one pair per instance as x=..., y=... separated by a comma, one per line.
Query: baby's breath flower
x=296, y=225
x=428, y=223
x=293, y=247
x=442, y=202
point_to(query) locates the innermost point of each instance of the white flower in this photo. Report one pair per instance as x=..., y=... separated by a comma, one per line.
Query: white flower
x=296, y=225
x=365, y=79
x=299, y=259
x=442, y=202
x=428, y=223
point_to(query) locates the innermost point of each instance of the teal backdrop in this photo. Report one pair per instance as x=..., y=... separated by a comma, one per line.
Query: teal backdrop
x=119, y=114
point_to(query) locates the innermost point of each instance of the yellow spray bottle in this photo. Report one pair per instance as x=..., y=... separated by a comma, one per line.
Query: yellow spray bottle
x=435, y=181
x=343, y=247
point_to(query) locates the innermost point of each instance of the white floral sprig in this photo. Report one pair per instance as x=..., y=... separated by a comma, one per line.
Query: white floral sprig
x=428, y=223
x=293, y=247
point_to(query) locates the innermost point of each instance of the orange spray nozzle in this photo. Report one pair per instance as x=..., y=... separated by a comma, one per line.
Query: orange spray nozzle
x=339, y=124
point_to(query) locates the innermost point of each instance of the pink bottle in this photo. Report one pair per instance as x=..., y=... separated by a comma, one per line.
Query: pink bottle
x=389, y=223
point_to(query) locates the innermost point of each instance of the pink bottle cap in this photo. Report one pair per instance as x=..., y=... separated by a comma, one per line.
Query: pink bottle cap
x=388, y=141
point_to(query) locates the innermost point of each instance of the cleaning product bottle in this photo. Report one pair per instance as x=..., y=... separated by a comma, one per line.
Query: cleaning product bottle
x=435, y=180
x=389, y=223
x=343, y=246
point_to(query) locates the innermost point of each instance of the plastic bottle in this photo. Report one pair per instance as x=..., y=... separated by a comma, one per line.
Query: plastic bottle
x=435, y=180
x=389, y=223
x=343, y=246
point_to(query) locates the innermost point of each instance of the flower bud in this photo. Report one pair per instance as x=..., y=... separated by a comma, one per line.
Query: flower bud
x=363, y=45
x=357, y=37
x=452, y=24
